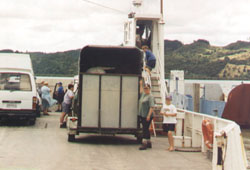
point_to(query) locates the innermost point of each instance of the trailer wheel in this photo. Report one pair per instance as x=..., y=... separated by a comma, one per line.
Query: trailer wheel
x=71, y=138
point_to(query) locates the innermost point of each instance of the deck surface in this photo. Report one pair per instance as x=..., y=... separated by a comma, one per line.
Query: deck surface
x=45, y=147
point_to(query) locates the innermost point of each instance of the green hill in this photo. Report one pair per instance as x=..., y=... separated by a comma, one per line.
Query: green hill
x=238, y=45
x=199, y=60
x=55, y=64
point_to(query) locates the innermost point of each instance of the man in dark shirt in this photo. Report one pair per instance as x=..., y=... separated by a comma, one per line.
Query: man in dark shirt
x=150, y=59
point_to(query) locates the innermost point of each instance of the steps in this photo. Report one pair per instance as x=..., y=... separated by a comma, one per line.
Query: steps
x=155, y=90
x=181, y=142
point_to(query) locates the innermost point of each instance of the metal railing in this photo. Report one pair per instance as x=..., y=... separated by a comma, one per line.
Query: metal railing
x=159, y=66
x=146, y=76
x=227, y=140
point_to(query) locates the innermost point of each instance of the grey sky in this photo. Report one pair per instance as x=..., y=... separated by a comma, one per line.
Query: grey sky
x=58, y=25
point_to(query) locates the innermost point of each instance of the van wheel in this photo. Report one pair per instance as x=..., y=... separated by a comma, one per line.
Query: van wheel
x=38, y=111
x=71, y=138
x=32, y=122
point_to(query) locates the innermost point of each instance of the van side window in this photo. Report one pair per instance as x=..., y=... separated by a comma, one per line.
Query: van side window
x=15, y=81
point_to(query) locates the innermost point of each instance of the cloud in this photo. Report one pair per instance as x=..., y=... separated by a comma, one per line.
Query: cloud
x=220, y=22
x=50, y=25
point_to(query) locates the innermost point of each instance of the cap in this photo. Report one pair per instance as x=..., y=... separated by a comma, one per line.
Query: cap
x=60, y=83
x=168, y=97
x=147, y=85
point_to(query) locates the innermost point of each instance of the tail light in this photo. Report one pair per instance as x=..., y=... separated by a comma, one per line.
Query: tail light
x=73, y=119
x=34, y=100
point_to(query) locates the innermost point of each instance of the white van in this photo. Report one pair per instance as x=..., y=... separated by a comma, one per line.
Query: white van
x=18, y=92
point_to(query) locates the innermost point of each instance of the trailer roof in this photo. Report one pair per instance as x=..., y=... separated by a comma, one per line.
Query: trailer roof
x=14, y=61
x=123, y=60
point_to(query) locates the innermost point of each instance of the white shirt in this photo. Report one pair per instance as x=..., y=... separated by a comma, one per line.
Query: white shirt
x=67, y=97
x=169, y=109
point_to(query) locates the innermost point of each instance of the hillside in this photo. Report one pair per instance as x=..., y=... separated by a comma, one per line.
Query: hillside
x=56, y=64
x=53, y=64
x=199, y=60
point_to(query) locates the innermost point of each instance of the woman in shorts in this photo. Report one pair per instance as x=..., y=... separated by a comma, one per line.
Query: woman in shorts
x=66, y=105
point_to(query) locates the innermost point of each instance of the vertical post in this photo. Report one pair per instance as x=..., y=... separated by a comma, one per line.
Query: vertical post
x=120, y=104
x=80, y=99
x=176, y=83
x=196, y=126
x=196, y=89
x=204, y=91
x=147, y=34
x=215, y=146
x=161, y=58
x=162, y=8
x=203, y=147
x=100, y=105
x=193, y=131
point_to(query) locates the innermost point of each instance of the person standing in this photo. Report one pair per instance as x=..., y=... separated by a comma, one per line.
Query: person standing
x=169, y=113
x=146, y=110
x=60, y=96
x=66, y=105
x=47, y=100
x=150, y=59
x=39, y=89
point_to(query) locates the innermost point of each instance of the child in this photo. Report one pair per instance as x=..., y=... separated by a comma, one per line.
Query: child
x=169, y=113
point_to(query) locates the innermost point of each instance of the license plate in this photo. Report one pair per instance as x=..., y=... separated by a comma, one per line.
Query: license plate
x=11, y=105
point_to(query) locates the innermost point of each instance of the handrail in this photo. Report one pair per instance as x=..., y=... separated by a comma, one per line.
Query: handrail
x=227, y=137
x=159, y=66
x=147, y=80
x=163, y=87
x=145, y=74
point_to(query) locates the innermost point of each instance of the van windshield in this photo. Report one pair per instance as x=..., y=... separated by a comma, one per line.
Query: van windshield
x=15, y=81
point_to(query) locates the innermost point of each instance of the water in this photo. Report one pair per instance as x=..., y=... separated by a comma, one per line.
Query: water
x=226, y=85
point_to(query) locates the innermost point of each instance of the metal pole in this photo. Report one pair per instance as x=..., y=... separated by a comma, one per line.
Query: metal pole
x=176, y=84
x=162, y=8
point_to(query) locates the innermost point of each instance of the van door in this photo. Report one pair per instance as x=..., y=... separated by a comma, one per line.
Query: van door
x=16, y=91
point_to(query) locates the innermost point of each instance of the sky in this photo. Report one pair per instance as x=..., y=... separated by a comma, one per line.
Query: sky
x=59, y=25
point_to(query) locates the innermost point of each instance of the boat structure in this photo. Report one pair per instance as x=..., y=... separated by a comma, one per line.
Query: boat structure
x=219, y=138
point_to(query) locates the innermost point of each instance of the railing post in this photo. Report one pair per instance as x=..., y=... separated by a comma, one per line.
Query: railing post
x=185, y=124
x=193, y=138
x=179, y=125
x=196, y=89
x=203, y=147
x=196, y=137
x=234, y=160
